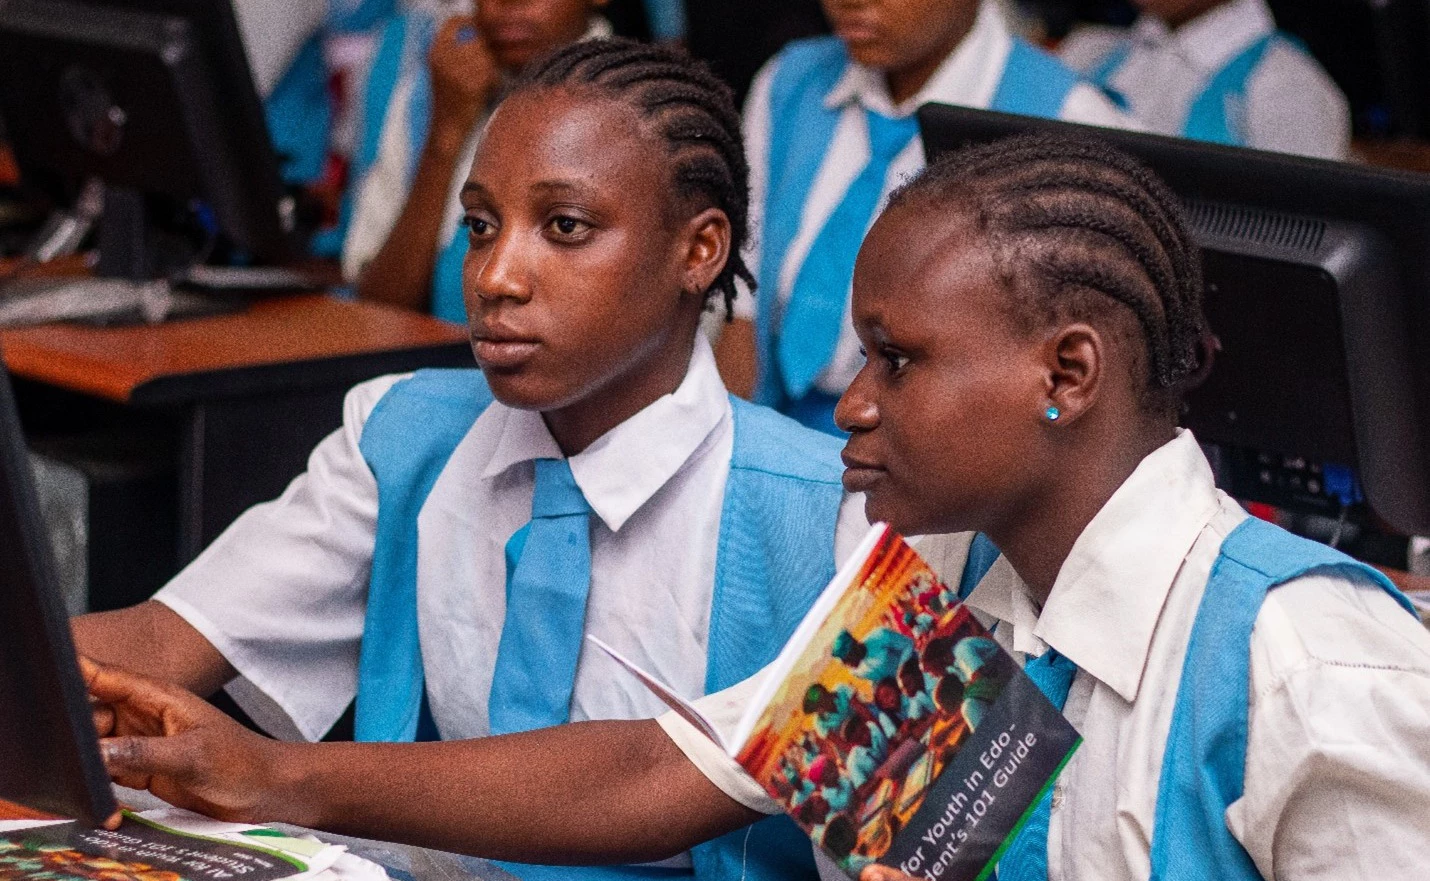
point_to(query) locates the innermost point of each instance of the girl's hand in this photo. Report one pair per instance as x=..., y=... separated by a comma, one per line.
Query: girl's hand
x=884, y=873
x=159, y=737
x=464, y=78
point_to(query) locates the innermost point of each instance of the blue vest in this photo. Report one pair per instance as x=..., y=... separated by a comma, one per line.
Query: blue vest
x=776, y=553
x=1217, y=113
x=801, y=132
x=299, y=116
x=1204, y=764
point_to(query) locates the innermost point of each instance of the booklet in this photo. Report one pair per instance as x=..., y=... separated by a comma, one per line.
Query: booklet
x=892, y=727
x=164, y=845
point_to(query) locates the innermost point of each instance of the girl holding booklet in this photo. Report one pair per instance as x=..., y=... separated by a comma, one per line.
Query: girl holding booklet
x=1252, y=705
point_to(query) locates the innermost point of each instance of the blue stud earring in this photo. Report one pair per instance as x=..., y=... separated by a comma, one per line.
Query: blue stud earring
x=1052, y=413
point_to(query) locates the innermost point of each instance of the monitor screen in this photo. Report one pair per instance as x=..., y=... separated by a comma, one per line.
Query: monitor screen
x=155, y=99
x=1318, y=288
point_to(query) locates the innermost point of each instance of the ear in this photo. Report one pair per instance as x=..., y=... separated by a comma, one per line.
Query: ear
x=705, y=247
x=1075, y=359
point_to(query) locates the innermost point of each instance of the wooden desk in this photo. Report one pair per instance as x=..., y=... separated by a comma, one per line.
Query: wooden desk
x=239, y=399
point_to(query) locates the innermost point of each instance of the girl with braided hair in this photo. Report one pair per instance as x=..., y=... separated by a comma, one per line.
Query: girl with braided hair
x=451, y=546
x=1253, y=705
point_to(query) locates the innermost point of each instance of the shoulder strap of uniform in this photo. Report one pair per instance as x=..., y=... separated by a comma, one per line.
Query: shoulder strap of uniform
x=1204, y=764
x=406, y=441
x=1034, y=83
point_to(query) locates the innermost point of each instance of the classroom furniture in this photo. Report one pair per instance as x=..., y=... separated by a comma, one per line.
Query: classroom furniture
x=196, y=420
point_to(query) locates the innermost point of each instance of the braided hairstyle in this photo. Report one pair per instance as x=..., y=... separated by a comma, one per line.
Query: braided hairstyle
x=691, y=109
x=1073, y=222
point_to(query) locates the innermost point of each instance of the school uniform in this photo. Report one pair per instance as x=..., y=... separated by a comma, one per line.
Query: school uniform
x=284, y=43
x=397, y=107
x=1336, y=679
x=325, y=596
x=826, y=145
x=1227, y=76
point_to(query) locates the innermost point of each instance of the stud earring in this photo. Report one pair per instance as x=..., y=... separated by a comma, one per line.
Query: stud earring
x=1052, y=413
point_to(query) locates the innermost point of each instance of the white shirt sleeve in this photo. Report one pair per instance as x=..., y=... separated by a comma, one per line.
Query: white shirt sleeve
x=1088, y=46
x=723, y=710
x=1295, y=107
x=273, y=31
x=282, y=593
x=1338, y=757
x=756, y=126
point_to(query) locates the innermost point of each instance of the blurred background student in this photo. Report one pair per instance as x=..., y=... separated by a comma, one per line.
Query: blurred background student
x=1217, y=70
x=436, y=74
x=830, y=130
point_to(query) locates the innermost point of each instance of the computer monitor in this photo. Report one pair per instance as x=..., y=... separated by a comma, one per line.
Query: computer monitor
x=49, y=755
x=1318, y=287
x=155, y=99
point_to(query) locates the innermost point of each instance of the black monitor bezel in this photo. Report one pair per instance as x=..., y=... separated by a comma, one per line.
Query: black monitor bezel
x=49, y=750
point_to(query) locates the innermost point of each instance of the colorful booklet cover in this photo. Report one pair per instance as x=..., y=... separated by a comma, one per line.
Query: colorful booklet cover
x=892, y=727
x=143, y=849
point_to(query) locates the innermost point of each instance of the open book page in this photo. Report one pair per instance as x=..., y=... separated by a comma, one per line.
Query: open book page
x=682, y=707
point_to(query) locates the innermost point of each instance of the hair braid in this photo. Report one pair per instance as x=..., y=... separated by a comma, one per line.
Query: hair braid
x=1073, y=223
x=692, y=110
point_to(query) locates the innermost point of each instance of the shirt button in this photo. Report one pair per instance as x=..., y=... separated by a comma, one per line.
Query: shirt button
x=1058, y=795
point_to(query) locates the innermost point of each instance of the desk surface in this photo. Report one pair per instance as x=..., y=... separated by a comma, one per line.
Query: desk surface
x=172, y=361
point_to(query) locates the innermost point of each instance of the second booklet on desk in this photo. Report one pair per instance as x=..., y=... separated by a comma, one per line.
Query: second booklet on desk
x=892, y=727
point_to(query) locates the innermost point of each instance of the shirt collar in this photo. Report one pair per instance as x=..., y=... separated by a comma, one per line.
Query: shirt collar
x=1109, y=593
x=1213, y=38
x=627, y=465
x=968, y=76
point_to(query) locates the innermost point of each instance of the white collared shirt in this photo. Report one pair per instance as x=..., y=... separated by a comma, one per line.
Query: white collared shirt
x=1292, y=105
x=282, y=592
x=1338, y=751
x=379, y=197
x=969, y=76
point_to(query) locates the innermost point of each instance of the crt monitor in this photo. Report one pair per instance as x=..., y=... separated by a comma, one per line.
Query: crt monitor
x=49, y=755
x=153, y=98
x=1318, y=288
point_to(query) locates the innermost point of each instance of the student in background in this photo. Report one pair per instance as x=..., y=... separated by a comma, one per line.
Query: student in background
x=284, y=44
x=1217, y=70
x=1253, y=705
x=830, y=130
x=434, y=78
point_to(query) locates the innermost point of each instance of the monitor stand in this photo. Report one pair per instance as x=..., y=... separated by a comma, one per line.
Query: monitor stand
x=131, y=282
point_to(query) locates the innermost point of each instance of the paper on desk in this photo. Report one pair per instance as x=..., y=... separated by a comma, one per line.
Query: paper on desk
x=323, y=861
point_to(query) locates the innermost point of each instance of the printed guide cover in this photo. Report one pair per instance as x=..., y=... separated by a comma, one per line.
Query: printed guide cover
x=892, y=727
x=143, y=849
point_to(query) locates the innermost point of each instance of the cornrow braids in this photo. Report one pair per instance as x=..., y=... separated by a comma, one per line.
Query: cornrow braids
x=1072, y=222
x=693, y=111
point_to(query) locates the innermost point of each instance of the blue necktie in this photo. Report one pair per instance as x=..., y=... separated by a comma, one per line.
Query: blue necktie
x=1026, y=859
x=548, y=579
x=814, y=317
